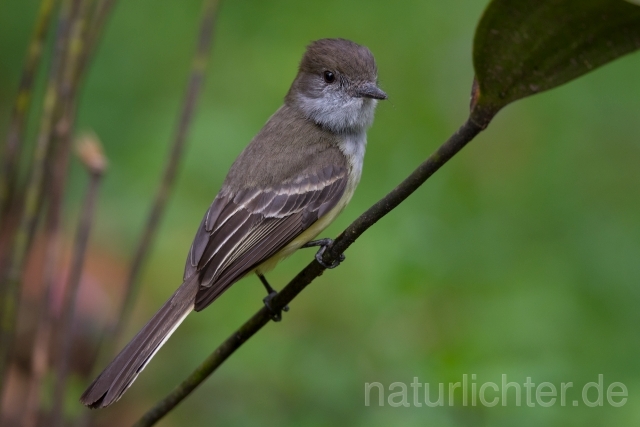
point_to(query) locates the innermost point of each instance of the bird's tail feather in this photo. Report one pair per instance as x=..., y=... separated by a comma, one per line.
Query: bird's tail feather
x=111, y=384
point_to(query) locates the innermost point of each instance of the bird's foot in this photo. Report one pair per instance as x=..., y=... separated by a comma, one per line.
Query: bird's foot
x=276, y=315
x=324, y=244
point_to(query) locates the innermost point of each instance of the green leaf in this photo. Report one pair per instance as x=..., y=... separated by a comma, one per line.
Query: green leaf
x=523, y=47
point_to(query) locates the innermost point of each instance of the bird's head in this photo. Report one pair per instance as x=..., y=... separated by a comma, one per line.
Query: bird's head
x=337, y=86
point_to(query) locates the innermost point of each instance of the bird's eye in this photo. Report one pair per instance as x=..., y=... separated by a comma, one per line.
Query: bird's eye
x=329, y=77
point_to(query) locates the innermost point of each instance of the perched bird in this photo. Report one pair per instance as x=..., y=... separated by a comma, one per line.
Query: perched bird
x=287, y=186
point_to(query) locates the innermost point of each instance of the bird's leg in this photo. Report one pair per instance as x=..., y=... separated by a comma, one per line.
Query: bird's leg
x=276, y=316
x=324, y=243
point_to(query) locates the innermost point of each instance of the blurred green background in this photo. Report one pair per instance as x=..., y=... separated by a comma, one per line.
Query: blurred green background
x=520, y=257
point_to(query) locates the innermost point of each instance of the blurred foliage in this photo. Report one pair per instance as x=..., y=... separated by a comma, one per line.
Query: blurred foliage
x=519, y=258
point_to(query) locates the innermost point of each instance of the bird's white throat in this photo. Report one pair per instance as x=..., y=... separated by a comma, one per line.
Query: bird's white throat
x=339, y=112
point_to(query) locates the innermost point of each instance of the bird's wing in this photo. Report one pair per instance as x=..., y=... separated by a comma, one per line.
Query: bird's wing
x=242, y=230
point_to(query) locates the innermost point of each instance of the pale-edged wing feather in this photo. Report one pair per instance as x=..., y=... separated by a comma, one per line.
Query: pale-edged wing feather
x=242, y=230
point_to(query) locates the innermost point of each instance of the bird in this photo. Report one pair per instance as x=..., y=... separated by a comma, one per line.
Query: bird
x=292, y=180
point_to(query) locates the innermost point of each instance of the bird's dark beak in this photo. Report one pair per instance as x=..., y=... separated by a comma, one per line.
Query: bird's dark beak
x=370, y=90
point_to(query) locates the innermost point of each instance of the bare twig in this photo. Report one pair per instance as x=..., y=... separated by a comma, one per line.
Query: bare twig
x=98, y=20
x=457, y=141
x=51, y=267
x=13, y=145
x=196, y=79
x=91, y=155
x=40, y=353
x=10, y=286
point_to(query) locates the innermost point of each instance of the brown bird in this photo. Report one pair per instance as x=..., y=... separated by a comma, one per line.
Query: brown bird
x=287, y=186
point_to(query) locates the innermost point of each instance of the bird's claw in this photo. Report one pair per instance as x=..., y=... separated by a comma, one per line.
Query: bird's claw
x=324, y=264
x=276, y=315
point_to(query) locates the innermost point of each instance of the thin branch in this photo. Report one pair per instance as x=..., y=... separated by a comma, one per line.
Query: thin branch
x=40, y=350
x=10, y=286
x=446, y=151
x=50, y=271
x=98, y=20
x=13, y=145
x=196, y=79
x=92, y=157
x=89, y=151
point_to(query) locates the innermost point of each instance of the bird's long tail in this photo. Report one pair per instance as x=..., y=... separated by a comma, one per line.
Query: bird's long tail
x=111, y=384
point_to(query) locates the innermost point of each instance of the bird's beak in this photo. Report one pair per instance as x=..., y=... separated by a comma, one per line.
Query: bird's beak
x=370, y=90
